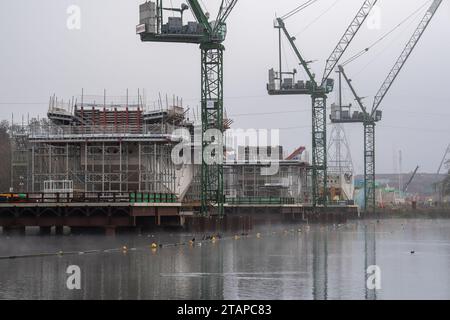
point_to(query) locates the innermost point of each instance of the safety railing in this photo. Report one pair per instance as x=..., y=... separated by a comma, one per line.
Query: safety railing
x=261, y=201
x=67, y=131
x=88, y=197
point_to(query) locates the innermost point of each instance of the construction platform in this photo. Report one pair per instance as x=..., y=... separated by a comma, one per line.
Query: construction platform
x=90, y=210
x=136, y=210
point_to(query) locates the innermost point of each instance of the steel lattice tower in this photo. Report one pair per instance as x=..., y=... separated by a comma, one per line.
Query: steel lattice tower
x=212, y=118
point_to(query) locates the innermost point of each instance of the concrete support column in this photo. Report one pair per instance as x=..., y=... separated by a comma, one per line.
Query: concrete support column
x=14, y=231
x=110, y=231
x=45, y=230
x=59, y=230
x=157, y=217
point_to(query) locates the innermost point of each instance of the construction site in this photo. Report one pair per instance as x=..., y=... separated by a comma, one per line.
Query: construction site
x=111, y=164
x=95, y=163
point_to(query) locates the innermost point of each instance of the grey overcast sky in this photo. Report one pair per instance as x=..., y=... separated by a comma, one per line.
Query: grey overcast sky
x=40, y=56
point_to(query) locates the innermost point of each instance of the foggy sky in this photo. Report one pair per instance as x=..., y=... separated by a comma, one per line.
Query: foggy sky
x=39, y=56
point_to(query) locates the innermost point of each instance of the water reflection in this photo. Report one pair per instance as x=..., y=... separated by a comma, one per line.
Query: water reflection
x=370, y=257
x=323, y=262
x=320, y=265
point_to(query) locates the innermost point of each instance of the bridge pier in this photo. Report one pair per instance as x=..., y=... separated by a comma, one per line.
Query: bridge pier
x=110, y=231
x=14, y=231
x=59, y=230
x=45, y=230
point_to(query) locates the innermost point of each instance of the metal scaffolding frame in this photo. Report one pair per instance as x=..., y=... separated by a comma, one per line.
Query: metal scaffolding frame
x=121, y=166
x=20, y=169
x=113, y=150
x=245, y=180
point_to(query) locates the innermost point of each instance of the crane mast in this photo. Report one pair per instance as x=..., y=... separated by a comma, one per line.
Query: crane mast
x=369, y=143
x=318, y=93
x=369, y=120
x=210, y=37
x=212, y=175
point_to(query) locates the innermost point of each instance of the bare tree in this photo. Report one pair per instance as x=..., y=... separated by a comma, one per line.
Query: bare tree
x=5, y=157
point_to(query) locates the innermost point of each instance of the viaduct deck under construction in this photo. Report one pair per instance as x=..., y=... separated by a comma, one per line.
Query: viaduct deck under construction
x=110, y=166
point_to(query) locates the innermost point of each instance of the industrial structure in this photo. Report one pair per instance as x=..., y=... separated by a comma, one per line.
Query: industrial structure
x=340, y=165
x=443, y=187
x=283, y=83
x=246, y=181
x=110, y=166
x=97, y=163
x=445, y=163
x=369, y=118
x=118, y=149
x=101, y=148
x=411, y=179
x=209, y=35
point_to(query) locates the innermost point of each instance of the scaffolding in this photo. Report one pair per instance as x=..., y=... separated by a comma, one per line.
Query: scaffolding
x=98, y=148
x=20, y=169
x=245, y=182
x=114, y=151
x=114, y=166
x=340, y=165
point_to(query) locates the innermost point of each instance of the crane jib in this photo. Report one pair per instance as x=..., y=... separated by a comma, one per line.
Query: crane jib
x=401, y=61
x=347, y=38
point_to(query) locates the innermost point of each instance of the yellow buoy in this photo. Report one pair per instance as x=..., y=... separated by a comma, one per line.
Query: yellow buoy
x=236, y=237
x=258, y=235
x=154, y=245
x=124, y=248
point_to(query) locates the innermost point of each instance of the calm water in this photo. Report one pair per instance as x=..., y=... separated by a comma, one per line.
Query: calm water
x=322, y=262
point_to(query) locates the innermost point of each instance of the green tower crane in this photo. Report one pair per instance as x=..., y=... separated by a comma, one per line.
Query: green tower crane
x=370, y=118
x=210, y=35
x=279, y=85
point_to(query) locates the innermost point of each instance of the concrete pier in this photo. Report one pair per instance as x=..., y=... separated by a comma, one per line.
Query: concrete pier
x=45, y=230
x=14, y=231
x=110, y=231
x=110, y=218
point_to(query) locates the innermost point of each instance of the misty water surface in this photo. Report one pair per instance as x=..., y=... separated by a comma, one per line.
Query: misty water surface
x=320, y=262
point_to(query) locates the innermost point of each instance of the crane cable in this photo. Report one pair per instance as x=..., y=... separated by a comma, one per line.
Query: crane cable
x=205, y=9
x=317, y=18
x=171, y=5
x=364, y=51
x=298, y=9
